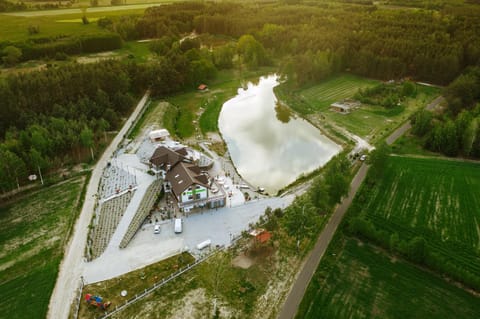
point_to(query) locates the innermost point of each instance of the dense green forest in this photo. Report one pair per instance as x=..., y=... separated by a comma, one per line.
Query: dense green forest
x=48, y=117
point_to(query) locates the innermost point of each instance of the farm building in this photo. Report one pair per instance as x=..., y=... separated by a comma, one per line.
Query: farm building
x=345, y=106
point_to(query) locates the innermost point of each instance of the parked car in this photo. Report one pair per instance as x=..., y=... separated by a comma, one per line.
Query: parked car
x=156, y=229
x=363, y=157
x=178, y=226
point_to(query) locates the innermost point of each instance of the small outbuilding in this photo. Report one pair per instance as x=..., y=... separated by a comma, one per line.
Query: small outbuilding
x=202, y=87
x=158, y=135
x=345, y=106
x=261, y=235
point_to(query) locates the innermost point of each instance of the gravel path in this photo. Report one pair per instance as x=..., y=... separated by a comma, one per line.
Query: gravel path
x=73, y=262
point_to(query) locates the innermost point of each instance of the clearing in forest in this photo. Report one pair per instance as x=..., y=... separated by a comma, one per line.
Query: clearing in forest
x=372, y=122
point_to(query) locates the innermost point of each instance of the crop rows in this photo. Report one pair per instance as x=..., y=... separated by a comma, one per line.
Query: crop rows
x=362, y=282
x=434, y=198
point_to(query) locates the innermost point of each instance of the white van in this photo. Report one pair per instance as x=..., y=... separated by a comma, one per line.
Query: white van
x=204, y=244
x=156, y=229
x=178, y=225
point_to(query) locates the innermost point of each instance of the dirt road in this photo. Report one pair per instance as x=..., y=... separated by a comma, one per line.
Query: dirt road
x=295, y=296
x=73, y=261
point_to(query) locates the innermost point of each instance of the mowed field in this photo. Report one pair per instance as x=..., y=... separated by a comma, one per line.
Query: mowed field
x=356, y=280
x=337, y=88
x=369, y=121
x=33, y=232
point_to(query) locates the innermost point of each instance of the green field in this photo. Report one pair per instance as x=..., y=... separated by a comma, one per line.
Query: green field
x=337, y=88
x=15, y=28
x=435, y=200
x=369, y=121
x=355, y=280
x=33, y=232
x=412, y=145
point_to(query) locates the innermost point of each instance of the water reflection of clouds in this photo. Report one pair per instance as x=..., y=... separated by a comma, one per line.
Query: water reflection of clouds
x=266, y=151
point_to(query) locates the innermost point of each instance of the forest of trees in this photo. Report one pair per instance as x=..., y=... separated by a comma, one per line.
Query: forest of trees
x=43, y=113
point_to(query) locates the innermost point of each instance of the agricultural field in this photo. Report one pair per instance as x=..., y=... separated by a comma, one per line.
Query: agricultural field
x=428, y=199
x=436, y=198
x=33, y=232
x=356, y=280
x=15, y=28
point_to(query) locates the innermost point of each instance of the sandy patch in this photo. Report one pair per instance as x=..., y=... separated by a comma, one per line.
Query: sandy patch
x=98, y=57
x=192, y=305
x=242, y=261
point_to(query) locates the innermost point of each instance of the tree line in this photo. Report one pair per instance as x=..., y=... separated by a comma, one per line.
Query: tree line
x=456, y=131
x=48, y=117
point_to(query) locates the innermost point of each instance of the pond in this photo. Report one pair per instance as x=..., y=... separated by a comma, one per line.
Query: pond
x=268, y=145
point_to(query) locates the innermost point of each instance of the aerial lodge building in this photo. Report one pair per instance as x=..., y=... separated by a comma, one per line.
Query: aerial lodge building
x=188, y=183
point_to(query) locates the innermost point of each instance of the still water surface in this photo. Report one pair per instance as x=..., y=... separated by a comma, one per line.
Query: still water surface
x=269, y=147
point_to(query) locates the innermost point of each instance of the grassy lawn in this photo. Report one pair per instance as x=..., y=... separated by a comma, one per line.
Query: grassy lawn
x=369, y=121
x=337, y=88
x=411, y=144
x=237, y=292
x=356, y=280
x=375, y=122
x=33, y=231
x=133, y=282
x=197, y=112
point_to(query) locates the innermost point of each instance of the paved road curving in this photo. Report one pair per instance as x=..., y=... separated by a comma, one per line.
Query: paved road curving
x=297, y=291
x=73, y=261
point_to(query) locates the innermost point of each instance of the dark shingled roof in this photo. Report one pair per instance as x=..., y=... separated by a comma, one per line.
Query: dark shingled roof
x=183, y=175
x=164, y=156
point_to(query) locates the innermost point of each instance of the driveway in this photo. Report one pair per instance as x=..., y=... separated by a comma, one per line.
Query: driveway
x=73, y=261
